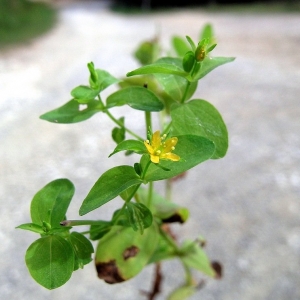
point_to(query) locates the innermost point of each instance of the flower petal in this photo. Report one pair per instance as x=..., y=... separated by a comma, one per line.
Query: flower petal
x=169, y=143
x=149, y=148
x=156, y=140
x=170, y=156
x=154, y=159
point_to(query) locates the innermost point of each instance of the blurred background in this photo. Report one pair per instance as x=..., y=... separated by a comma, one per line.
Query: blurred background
x=246, y=205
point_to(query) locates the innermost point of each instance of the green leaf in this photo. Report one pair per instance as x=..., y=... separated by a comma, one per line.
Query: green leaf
x=198, y=117
x=108, y=186
x=50, y=204
x=84, y=94
x=83, y=249
x=207, y=32
x=163, y=209
x=136, y=97
x=72, y=112
x=123, y=253
x=175, y=86
x=159, y=68
x=180, y=46
x=105, y=79
x=191, y=42
x=118, y=133
x=194, y=256
x=139, y=216
x=192, y=150
x=182, y=293
x=50, y=261
x=210, y=63
x=132, y=145
x=32, y=227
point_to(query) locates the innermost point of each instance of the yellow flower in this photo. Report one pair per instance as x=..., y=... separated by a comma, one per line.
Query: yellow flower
x=160, y=149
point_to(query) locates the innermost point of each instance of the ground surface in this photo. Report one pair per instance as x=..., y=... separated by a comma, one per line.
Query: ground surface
x=246, y=205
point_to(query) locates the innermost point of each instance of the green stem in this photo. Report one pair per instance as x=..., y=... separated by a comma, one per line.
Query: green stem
x=188, y=274
x=118, y=122
x=186, y=91
x=170, y=241
x=70, y=223
x=148, y=121
x=145, y=170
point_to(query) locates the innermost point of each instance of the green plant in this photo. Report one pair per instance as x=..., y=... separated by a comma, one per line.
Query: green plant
x=139, y=233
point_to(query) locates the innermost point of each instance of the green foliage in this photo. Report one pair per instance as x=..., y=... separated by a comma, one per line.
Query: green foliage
x=191, y=132
x=22, y=20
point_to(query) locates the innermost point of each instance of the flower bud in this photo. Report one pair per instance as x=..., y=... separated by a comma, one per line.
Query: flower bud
x=200, y=53
x=188, y=61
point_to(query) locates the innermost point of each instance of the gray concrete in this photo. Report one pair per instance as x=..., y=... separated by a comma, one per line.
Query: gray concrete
x=246, y=205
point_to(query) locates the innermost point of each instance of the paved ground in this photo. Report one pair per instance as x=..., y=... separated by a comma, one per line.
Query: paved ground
x=246, y=205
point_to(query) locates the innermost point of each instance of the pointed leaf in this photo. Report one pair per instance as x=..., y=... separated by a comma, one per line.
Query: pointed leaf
x=207, y=33
x=191, y=42
x=158, y=68
x=210, y=63
x=136, y=97
x=108, y=186
x=182, y=293
x=132, y=145
x=195, y=257
x=123, y=253
x=198, y=117
x=50, y=261
x=72, y=112
x=192, y=150
x=50, y=204
x=32, y=227
x=83, y=249
x=180, y=46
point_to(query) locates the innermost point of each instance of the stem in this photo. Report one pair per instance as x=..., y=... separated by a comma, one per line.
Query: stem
x=185, y=92
x=148, y=121
x=188, y=274
x=118, y=122
x=145, y=170
x=121, y=125
x=70, y=223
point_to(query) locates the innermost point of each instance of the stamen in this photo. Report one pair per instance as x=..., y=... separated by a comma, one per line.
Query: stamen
x=173, y=148
x=147, y=141
x=157, y=152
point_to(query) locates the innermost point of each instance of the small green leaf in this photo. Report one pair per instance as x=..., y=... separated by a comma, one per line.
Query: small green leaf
x=180, y=46
x=93, y=76
x=210, y=63
x=72, y=112
x=199, y=117
x=108, y=186
x=118, y=133
x=136, y=97
x=192, y=150
x=182, y=293
x=105, y=79
x=123, y=253
x=84, y=94
x=207, y=33
x=157, y=67
x=139, y=216
x=50, y=261
x=83, y=249
x=191, y=42
x=132, y=145
x=50, y=204
x=32, y=227
x=194, y=256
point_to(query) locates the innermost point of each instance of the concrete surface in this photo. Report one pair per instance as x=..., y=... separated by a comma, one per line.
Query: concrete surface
x=246, y=205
